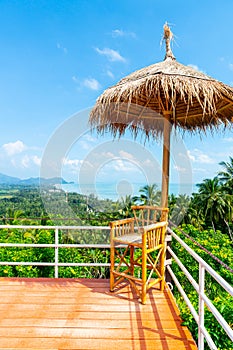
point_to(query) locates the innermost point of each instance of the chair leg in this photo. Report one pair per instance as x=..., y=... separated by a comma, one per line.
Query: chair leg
x=132, y=260
x=112, y=262
x=162, y=270
x=144, y=276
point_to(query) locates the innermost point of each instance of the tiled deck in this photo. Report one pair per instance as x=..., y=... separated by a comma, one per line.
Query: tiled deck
x=83, y=314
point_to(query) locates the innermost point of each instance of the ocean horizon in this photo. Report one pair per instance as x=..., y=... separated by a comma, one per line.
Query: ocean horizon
x=115, y=191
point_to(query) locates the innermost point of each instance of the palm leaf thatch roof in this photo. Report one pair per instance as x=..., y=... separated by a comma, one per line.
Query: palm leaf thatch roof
x=189, y=98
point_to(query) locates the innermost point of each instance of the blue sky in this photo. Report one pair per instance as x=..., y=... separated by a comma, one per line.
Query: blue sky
x=57, y=57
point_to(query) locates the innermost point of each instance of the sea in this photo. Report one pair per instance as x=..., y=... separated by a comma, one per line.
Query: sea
x=117, y=191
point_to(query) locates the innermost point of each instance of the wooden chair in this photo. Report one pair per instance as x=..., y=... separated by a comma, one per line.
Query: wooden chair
x=138, y=249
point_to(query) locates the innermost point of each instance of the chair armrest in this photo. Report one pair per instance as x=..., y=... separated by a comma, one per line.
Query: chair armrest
x=156, y=225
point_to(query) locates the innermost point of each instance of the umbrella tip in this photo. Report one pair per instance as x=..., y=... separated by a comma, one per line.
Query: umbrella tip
x=168, y=36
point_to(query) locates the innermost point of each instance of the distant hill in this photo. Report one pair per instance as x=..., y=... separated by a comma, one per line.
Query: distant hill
x=5, y=179
x=36, y=181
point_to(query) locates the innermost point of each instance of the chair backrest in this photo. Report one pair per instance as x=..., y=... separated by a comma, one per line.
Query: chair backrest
x=154, y=235
x=145, y=215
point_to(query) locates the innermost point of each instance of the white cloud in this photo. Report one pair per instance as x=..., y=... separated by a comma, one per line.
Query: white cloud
x=36, y=160
x=108, y=155
x=194, y=66
x=92, y=84
x=12, y=148
x=198, y=170
x=61, y=47
x=73, y=165
x=87, y=142
x=25, y=162
x=85, y=145
x=122, y=166
x=190, y=156
x=205, y=159
x=110, y=74
x=89, y=138
x=198, y=156
x=231, y=66
x=75, y=79
x=180, y=169
x=117, y=32
x=72, y=162
x=228, y=139
x=120, y=33
x=126, y=155
x=149, y=163
x=112, y=55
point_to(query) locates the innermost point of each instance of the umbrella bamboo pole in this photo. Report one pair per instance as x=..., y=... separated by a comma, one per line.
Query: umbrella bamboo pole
x=166, y=158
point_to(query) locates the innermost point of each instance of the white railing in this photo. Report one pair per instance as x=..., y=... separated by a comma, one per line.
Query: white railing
x=200, y=289
x=56, y=245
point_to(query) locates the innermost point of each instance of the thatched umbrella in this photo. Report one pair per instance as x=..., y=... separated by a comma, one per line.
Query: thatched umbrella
x=157, y=97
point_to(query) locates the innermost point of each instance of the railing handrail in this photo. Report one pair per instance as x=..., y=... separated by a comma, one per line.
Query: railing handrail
x=62, y=227
x=56, y=245
x=203, y=299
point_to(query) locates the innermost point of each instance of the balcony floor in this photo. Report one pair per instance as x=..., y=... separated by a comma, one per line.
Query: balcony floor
x=83, y=314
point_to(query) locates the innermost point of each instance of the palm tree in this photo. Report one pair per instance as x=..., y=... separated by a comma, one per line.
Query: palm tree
x=182, y=209
x=214, y=202
x=12, y=216
x=171, y=202
x=125, y=204
x=179, y=209
x=194, y=218
x=194, y=215
x=226, y=176
x=149, y=195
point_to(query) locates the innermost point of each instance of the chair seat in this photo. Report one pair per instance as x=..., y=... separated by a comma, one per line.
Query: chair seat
x=128, y=239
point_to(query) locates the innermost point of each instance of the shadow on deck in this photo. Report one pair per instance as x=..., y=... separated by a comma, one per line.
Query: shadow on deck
x=83, y=314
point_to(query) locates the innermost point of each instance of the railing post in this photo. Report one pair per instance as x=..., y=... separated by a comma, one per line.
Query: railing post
x=201, y=310
x=56, y=252
x=168, y=260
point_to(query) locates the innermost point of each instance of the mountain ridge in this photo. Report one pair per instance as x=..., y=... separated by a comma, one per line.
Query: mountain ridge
x=11, y=180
